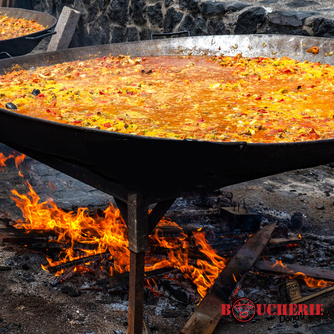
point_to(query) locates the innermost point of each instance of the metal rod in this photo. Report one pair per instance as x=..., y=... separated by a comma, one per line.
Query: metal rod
x=136, y=293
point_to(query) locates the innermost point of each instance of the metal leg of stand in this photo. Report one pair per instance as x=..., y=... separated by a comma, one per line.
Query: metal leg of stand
x=136, y=293
x=137, y=220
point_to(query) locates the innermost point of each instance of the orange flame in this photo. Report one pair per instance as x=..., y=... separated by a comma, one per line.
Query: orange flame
x=3, y=159
x=205, y=272
x=109, y=234
x=18, y=160
x=309, y=281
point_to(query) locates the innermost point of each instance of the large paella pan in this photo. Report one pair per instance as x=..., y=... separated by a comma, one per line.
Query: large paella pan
x=160, y=167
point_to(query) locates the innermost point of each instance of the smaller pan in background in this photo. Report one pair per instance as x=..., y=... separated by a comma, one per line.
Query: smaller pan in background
x=22, y=45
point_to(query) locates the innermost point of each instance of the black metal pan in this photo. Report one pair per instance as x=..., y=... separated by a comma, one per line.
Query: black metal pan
x=24, y=44
x=157, y=167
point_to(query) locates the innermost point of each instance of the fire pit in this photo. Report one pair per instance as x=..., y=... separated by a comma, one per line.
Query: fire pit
x=136, y=181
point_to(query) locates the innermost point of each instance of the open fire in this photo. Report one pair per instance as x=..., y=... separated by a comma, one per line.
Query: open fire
x=81, y=235
x=99, y=243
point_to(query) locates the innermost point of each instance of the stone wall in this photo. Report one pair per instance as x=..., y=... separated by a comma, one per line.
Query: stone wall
x=109, y=21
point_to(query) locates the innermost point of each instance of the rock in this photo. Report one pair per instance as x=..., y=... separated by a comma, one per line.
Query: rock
x=118, y=35
x=217, y=27
x=137, y=11
x=70, y=290
x=289, y=258
x=170, y=313
x=323, y=27
x=249, y=20
x=296, y=221
x=98, y=35
x=213, y=8
x=154, y=14
x=201, y=24
x=118, y=11
x=132, y=34
x=175, y=292
x=92, y=12
x=145, y=34
x=168, y=3
x=291, y=19
x=301, y=3
x=240, y=294
x=191, y=5
x=235, y=6
x=172, y=19
x=281, y=231
x=189, y=24
x=28, y=277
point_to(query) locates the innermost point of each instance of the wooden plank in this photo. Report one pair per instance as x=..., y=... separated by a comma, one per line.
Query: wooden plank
x=207, y=315
x=280, y=241
x=65, y=28
x=304, y=299
x=291, y=269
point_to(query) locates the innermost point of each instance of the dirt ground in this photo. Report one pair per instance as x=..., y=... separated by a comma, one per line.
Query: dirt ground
x=30, y=304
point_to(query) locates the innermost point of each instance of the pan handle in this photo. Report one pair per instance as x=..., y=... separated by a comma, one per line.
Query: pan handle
x=167, y=34
x=6, y=54
x=49, y=33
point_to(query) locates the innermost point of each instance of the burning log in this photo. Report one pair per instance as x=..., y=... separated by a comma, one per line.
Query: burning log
x=67, y=274
x=284, y=241
x=292, y=269
x=207, y=315
x=174, y=231
x=15, y=236
x=76, y=262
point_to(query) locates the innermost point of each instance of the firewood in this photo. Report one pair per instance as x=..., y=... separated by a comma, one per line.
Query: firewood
x=68, y=273
x=304, y=299
x=283, y=241
x=76, y=262
x=207, y=315
x=291, y=269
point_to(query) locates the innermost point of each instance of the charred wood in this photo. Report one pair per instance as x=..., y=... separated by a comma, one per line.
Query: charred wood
x=207, y=315
x=93, y=258
x=291, y=269
x=67, y=274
